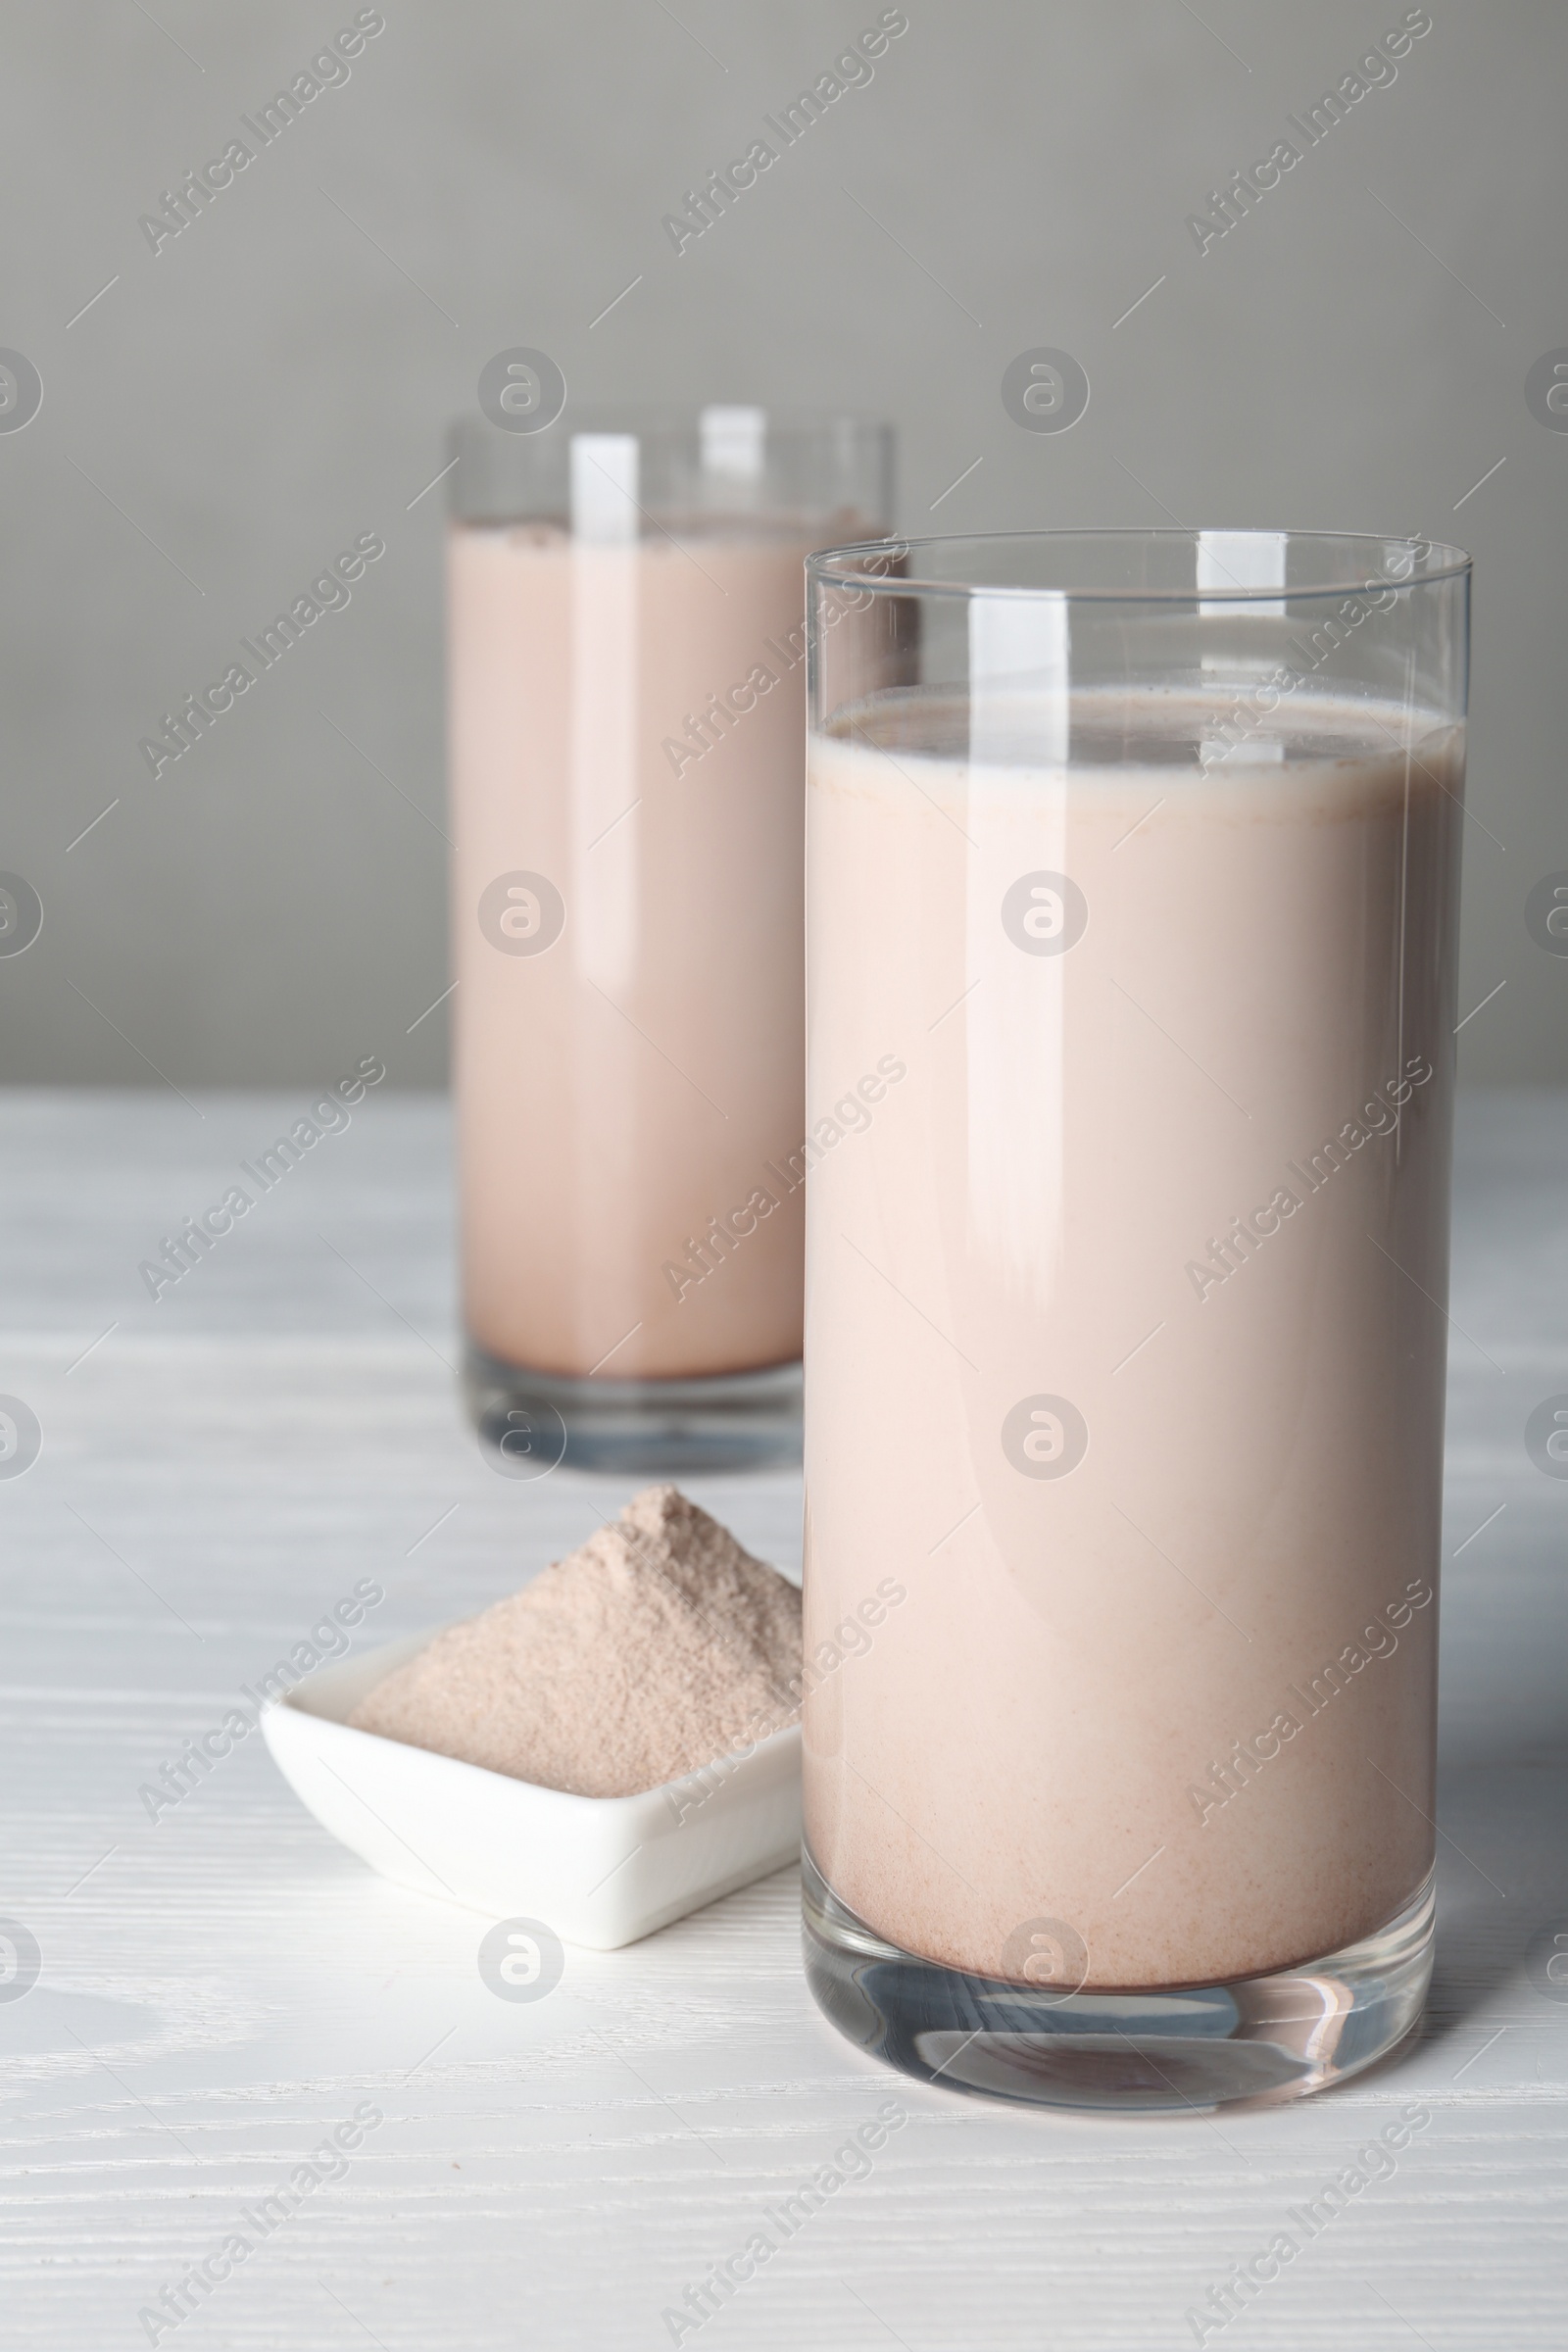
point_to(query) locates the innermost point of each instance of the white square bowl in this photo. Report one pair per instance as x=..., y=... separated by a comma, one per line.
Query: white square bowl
x=601, y=1870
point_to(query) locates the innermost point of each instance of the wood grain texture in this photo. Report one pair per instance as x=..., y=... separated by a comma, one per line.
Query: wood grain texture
x=221, y=1986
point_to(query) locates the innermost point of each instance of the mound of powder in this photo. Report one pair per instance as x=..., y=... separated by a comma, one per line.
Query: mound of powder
x=657, y=1646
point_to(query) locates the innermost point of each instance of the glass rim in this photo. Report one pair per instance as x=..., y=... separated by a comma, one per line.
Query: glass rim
x=862, y=566
x=649, y=417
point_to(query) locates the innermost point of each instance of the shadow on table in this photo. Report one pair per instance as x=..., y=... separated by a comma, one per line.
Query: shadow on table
x=1502, y=1893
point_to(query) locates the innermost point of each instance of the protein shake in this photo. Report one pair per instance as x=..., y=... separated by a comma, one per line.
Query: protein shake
x=1125, y=1338
x=627, y=731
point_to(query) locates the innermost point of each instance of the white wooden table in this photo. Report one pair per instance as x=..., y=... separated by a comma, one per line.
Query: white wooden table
x=223, y=1986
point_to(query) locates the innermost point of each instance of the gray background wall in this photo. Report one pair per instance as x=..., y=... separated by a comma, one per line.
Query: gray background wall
x=274, y=381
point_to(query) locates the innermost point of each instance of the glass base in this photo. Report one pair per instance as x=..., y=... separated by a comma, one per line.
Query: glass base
x=530, y=1422
x=1172, y=2050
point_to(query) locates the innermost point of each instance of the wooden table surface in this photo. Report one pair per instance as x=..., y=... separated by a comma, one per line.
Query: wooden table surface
x=223, y=1986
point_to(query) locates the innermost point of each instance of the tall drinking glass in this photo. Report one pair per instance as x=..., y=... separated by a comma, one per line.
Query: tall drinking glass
x=627, y=642
x=1132, y=898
